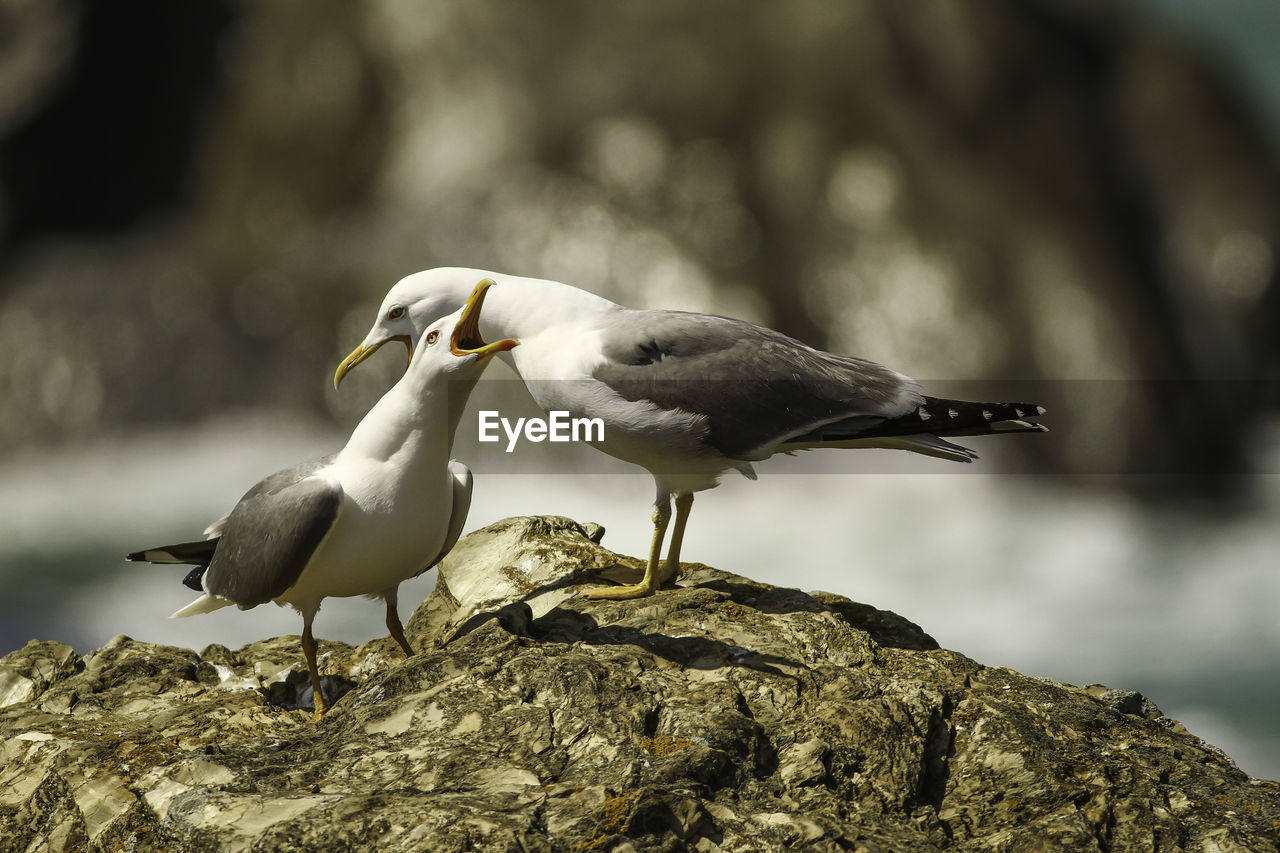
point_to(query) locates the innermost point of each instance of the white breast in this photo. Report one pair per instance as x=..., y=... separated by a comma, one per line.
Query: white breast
x=387, y=530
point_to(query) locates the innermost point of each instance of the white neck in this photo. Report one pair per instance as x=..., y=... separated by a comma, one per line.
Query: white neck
x=414, y=421
x=518, y=306
x=522, y=308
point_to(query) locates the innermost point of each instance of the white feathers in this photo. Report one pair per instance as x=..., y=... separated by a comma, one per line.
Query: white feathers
x=204, y=604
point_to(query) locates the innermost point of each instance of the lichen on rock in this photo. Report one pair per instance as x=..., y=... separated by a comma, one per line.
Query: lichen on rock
x=720, y=715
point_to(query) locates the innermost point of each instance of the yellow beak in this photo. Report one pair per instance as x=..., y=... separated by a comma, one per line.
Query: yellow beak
x=466, y=338
x=362, y=352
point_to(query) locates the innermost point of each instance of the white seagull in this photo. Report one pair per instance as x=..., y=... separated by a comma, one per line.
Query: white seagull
x=384, y=509
x=689, y=396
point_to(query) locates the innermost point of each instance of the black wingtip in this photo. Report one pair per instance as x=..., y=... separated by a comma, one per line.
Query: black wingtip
x=195, y=579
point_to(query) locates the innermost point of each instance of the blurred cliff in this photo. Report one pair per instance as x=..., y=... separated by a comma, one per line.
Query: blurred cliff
x=200, y=206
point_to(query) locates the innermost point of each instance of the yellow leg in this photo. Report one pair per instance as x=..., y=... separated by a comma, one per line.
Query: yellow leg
x=671, y=568
x=396, y=629
x=309, y=651
x=649, y=583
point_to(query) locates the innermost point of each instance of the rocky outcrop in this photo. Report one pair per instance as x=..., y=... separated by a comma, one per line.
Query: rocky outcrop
x=722, y=715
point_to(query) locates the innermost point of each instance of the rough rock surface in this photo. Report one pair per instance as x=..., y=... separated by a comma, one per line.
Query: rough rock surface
x=723, y=715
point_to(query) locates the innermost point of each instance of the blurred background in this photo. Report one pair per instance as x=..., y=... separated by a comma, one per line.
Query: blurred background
x=1075, y=202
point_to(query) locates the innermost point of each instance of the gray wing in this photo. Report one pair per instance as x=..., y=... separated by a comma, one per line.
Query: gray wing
x=272, y=483
x=270, y=535
x=756, y=387
x=462, y=482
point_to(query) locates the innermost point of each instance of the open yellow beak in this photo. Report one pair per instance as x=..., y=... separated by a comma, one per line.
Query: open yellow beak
x=362, y=352
x=466, y=338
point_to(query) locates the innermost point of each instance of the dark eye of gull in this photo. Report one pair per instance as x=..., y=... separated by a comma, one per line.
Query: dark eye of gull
x=396, y=313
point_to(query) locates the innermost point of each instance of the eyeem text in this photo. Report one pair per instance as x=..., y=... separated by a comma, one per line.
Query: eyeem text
x=557, y=427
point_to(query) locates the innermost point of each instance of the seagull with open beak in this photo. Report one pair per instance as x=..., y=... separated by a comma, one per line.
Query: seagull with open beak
x=384, y=509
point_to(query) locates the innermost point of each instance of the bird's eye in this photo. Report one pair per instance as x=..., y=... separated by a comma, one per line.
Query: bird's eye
x=396, y=313
x=433, y=336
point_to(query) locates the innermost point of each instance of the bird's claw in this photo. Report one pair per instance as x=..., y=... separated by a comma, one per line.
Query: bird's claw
x=620, y=593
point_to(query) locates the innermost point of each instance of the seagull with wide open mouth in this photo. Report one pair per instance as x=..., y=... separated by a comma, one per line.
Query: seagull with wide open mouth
x=383, y=509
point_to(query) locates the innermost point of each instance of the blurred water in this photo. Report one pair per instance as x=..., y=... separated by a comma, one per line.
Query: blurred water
x=1023, y=571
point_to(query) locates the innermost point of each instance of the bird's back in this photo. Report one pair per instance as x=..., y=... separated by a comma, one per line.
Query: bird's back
x=697, y=388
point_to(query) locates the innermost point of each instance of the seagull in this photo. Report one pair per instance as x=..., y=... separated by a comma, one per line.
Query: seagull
x=386, y=508
x=689, y=396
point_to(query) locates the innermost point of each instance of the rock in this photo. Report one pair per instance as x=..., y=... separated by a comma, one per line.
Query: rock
x=721, y=715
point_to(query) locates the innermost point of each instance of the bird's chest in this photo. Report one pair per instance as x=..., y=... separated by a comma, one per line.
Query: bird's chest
x=388, y=529
x=391, y=498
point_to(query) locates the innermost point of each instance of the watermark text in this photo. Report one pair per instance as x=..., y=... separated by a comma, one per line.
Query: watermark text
x=558, y=426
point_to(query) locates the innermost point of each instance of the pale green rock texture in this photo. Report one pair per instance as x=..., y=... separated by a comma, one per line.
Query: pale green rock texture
x=720, y=715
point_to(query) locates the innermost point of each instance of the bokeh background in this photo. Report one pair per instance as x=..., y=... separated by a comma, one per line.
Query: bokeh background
x=1070, y=201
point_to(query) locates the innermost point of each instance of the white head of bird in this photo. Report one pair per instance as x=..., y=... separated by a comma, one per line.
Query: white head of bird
x=519, y=305
x=407, y=316
x=384, y=509
x=447, y=359
x=410, y=310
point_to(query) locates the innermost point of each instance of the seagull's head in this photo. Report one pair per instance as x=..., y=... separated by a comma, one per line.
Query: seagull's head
x=416, y=307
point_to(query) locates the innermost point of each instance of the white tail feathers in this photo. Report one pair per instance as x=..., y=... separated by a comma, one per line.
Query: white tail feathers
x=204, y=604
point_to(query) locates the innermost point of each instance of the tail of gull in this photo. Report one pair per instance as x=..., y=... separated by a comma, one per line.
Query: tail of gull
x=937, y=416
x=188, y=553
x=198, y=554
x=921, y=430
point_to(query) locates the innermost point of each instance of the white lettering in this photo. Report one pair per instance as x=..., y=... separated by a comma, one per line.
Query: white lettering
x=512, y=434
x=593, y=427
x=487, y=423
x=558, y=427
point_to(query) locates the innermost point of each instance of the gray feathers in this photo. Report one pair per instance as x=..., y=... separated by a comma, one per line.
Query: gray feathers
x=754, y=386
x=263, y=544
x=270, y=536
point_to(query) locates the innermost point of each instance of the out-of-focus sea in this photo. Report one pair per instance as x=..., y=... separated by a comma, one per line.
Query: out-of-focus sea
x=1030, y=572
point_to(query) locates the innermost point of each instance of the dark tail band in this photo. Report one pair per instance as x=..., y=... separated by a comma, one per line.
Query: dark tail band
x=959, y=417
x=939, y=417
x=197, y=554
x=190, y=553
